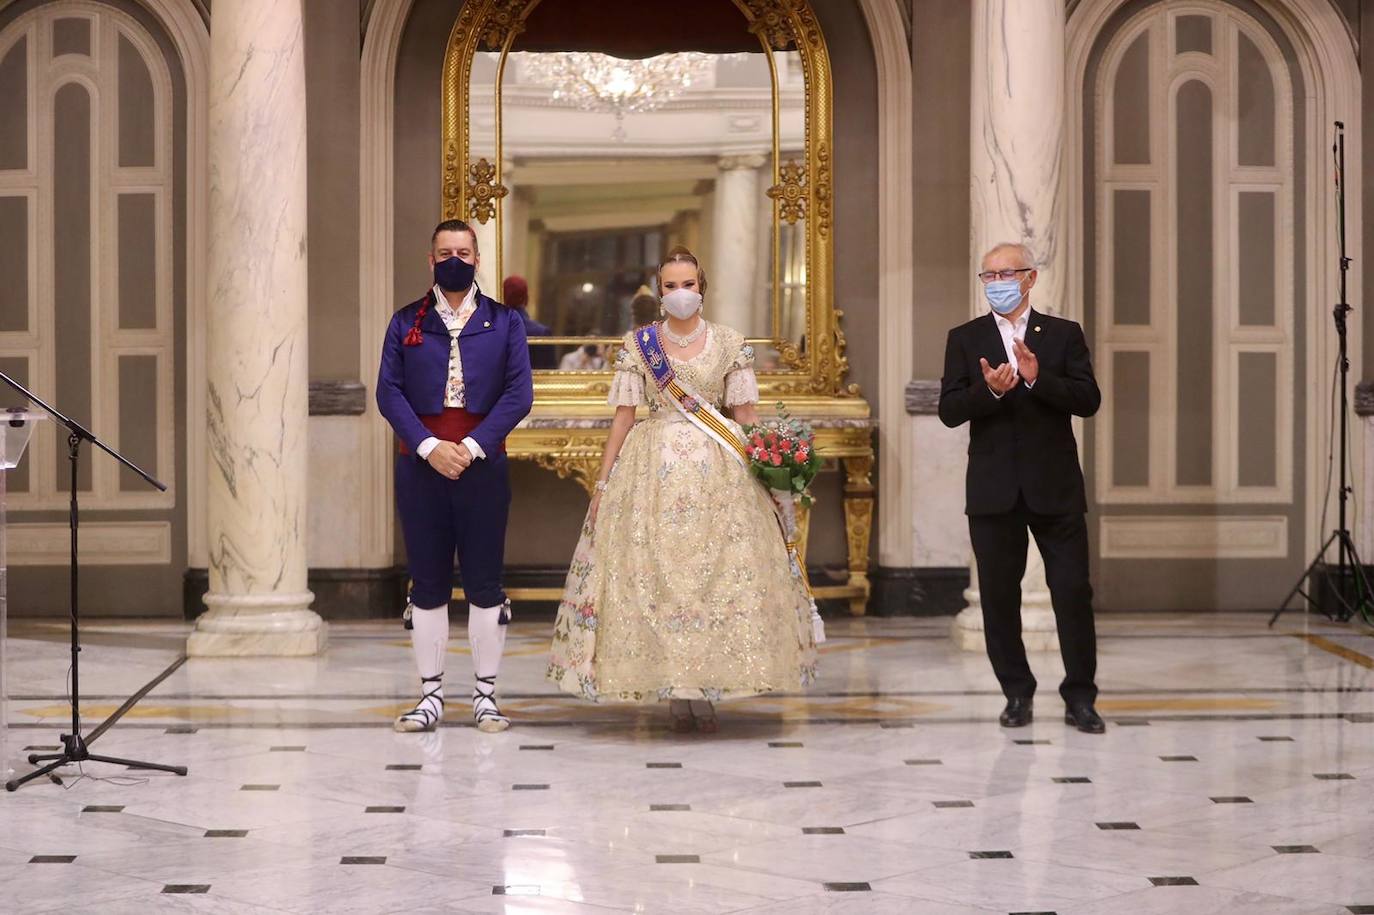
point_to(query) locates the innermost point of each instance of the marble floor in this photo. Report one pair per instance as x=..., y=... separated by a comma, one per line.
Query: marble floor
x=1236, y=775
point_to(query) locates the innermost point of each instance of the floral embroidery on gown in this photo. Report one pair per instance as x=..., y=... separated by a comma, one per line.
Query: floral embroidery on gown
x=683, y=589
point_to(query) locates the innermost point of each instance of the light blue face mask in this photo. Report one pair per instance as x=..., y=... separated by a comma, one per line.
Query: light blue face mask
x=1004, y=295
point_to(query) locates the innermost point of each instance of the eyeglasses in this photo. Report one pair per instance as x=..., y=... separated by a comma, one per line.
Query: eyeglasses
x=988, y=276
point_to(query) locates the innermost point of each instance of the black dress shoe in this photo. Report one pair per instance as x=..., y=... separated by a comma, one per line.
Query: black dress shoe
x=1017, y=714
x=1082, y=716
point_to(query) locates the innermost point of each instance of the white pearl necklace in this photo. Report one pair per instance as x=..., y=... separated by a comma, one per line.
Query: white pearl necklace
x=689, y=339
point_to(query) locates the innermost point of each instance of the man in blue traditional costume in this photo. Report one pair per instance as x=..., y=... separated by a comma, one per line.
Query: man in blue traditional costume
x=454, y=381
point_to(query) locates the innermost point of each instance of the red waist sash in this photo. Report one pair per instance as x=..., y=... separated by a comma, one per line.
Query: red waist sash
x=452, y=425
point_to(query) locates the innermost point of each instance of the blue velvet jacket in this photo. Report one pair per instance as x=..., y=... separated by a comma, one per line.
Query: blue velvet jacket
x=496, y=372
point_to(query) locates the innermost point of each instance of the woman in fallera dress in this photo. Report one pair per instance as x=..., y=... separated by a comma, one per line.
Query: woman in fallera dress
x=681, y=587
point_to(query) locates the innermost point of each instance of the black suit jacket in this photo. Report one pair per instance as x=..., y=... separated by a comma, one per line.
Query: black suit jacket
x=1022, y=443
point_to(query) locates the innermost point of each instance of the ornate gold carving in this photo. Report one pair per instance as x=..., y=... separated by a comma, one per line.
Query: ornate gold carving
x=858, y=525
x=483, y=191
x=504, y=20
x=791, y=192
x=822, y=190
x=452, y=183
x=771, y=21
x=580, y=469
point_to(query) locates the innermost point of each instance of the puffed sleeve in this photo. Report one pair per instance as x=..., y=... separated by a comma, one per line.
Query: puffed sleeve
x=741, y=385
x=627, y=384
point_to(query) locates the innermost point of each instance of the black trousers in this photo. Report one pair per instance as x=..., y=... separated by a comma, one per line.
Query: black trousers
x=999, y=548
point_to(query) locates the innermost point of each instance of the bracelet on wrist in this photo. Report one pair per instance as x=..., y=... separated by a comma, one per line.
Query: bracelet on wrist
x=600, y=485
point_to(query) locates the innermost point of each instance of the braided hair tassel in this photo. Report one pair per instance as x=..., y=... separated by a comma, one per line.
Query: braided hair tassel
x=414, y=337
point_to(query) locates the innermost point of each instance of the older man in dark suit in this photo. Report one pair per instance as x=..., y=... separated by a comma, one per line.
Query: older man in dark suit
x=1018, y=377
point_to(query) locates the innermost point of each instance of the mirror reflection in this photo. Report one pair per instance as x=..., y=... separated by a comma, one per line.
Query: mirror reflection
x=608, y=161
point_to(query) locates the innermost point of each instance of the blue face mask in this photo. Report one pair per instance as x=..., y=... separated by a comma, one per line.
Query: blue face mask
x=1004, y=295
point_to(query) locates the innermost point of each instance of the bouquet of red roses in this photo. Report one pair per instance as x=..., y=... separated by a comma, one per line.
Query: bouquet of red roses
x=782, y=453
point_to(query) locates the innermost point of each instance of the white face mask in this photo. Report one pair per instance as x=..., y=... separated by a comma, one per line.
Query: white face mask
x=682, y=303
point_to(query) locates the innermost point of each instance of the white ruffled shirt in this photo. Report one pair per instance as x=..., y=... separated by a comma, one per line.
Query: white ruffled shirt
x=455, y=392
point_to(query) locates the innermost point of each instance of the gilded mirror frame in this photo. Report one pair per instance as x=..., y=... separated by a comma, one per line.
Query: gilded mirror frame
x=802, y=188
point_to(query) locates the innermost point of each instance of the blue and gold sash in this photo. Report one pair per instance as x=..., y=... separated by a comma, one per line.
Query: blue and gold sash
x=698, y=411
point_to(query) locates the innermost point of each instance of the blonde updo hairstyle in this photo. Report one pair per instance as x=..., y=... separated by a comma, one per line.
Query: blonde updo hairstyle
x=682, y=255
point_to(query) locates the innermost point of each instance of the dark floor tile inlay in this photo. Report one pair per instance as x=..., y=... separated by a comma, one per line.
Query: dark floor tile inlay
x=529, y=787
x=784, y=744
x=1232, y=800
x=181, y=729
x=537, y=746
x=924, y=762
x=1334, y=776
x=102, y=808
x=288, y=749
x=895, y=725
x=524, y=833
x=678, y=859
x=1277, y=739
x=187, y=889
x=260, y=788
x=43, y=747
x=1178, y=759
x=514, y=890
x=52, y=859
x=1131, y=723
x=1032, y=743
x=363, y=859
x=950, y=805
x=1073, y=780
x=801, y=784
x=848, y=888
x=665, y=808
x=226, y=833
x=404, y=767
x=1173, y=881
x=663, y=765
x=988, y=855
x=1118, y=826
x=822, y=830
x=1296, y=849
x=1360, y=909
x=384, y=809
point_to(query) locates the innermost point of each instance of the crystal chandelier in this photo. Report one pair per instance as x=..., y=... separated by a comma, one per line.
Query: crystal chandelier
x=599, y=82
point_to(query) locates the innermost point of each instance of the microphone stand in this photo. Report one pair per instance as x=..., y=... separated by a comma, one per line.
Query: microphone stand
x=75, y=747
x=1349, y=569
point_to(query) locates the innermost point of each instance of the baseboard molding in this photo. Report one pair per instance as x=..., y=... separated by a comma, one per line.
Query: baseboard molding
x=340, y=594
x=918, y=591
x=360, y=594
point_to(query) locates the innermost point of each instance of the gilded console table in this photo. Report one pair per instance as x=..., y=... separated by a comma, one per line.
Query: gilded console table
x=571, y=447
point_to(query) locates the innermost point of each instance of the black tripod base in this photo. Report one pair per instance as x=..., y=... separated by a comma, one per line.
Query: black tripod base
x=1343, y=584
x=77, y=752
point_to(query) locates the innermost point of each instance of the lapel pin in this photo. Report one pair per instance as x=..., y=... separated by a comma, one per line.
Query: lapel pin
x=1037, y=328
x=488, y=324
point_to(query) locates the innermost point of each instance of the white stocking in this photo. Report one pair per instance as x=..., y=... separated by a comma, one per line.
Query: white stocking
x=429, y=640
x=487, y=636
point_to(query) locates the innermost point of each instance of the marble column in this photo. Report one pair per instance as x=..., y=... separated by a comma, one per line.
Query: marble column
x=1017, y=194
x=734, y=250
x=258, y=603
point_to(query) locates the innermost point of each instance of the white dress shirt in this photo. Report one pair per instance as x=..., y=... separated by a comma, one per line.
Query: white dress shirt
x=1011, y=332
x=454, y=391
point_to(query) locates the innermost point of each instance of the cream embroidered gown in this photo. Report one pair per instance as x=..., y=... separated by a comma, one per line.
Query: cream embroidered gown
x=684, y=589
